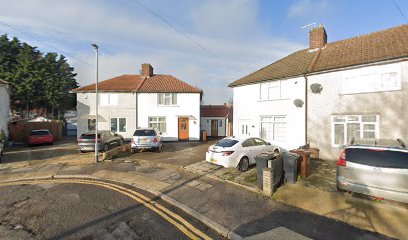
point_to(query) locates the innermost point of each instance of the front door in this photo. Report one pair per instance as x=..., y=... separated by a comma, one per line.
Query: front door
x=183, y=128
x=214, y=128
x=243, y=128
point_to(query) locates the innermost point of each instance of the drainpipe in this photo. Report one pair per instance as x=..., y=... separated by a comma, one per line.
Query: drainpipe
x=306, y=107
x=137, y=110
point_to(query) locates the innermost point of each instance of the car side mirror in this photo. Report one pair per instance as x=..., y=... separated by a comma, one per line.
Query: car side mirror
x=115, y=134
x=268, y=143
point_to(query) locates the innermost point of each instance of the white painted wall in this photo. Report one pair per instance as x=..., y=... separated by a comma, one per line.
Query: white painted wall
x=206, y=125
x=188, y=104
x=391, y=106
x=4, y=108
x=249, y=107
x=126, y=107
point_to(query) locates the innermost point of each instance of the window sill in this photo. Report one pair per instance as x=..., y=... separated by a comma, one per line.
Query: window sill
x=271, y=100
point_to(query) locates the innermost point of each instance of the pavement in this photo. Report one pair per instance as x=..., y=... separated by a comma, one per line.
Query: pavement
x=229, y=202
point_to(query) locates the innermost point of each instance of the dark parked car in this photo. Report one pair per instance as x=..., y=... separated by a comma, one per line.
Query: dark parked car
x=106, y=140
x=374, y=167
x=146, y=138
x=1, y=148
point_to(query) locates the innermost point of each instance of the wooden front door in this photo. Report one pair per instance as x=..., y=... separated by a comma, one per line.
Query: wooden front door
x=214, y=128
x=183, y=128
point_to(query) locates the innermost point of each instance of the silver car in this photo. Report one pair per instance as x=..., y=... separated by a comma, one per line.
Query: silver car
x=106, y=140
x=374, y=167
x=146, y=138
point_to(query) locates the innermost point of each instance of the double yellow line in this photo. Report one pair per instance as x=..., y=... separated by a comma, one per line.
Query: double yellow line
x=173, y=218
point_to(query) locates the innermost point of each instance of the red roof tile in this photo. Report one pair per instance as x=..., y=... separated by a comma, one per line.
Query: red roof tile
x=215, y=111
x=134, y=82
x=374, y=47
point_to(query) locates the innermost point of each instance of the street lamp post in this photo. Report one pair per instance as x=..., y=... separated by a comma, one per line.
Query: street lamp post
x=96, y=104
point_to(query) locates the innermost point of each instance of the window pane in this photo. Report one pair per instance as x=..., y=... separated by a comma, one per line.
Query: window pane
x=114, y=124
x=167, y=101
x=162, y=127
x=160, y=97
x=279, y=131
x=353, y=130
x=353, y=118
x=339, y=119
x=339, y=134
x=369, y=131
x=369, y=118
x=122, y=124
x=220, y=123
x=91, y=124
x=174, y=99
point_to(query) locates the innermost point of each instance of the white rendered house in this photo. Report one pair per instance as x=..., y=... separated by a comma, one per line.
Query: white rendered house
x=328, y=93
x=4, y=106
x=135, y=101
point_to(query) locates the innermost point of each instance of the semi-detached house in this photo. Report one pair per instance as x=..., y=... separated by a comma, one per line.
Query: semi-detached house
x=328, y=93
x=142, y=100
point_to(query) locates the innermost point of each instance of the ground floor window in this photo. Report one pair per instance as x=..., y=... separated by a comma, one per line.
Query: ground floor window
x=273, y=128
x=345, y=127
x=91, y=124
x=118, y=124
x=158, y=123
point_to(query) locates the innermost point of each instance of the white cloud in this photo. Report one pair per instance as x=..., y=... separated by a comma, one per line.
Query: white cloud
x=128, y=35
x=307, y=8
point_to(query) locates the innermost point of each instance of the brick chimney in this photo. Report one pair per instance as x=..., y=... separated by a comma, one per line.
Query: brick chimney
x=318, y=37
x=147, y=70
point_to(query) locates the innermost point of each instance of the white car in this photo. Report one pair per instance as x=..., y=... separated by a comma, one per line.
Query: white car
x=238, y=152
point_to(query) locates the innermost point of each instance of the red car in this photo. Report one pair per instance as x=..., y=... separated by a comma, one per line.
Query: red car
x=40, y=137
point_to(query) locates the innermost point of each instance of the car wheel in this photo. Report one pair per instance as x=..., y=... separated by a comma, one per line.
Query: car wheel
x=276, y=150
x=133, y=150
x=158, y=149
x=243, y=164
x=106, y=147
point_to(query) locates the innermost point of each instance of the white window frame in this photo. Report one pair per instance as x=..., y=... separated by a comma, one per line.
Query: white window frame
x=108, y=99
x=371, y=79
x=266, y=90
x=274, y=123
x=347, y=119
x=161, y=99
x=158, y=122
x=117, y=124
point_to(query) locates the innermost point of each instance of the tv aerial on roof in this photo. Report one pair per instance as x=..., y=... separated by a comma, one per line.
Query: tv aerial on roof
x=310, y=26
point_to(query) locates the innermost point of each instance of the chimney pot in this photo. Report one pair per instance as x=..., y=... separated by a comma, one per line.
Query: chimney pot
x=147, y=70
x=318, y=37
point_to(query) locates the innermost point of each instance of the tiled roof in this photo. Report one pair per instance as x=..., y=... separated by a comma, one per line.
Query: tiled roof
x=215, y=111
x=167, y=83
x=134, y=82
x=374, y=47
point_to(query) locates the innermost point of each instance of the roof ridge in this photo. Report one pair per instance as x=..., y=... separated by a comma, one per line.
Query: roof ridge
x=144, y=78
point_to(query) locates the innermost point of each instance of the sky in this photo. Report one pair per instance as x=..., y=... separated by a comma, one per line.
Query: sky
x=206, y=43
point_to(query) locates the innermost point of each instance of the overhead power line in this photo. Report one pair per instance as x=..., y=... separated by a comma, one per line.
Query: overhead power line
x=183, y=34
x=397, y=6
x=52, y=47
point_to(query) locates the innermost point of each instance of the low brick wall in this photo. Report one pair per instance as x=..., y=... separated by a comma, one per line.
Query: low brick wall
x=116, y=152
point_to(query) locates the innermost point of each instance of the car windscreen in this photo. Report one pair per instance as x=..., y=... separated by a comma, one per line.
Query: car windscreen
x=89, y=136
x=39, y=133
x=144, y=133
x=226, y=143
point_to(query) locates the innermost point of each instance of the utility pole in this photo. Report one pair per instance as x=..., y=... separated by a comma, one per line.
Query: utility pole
x=96, y=104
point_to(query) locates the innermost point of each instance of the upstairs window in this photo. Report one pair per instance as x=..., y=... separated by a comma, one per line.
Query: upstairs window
x=375, y=79
x=167, y=99
x=108, y=99
x=273, y=90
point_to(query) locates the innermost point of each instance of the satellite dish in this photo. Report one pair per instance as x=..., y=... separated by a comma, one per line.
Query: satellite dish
x=316, y=88
x=298, y=103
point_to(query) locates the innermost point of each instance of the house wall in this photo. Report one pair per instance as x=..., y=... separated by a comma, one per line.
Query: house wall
x=4, y=108
x=126, y=107
x=207, y=125
x=391, y=106
x=248, y=107
x=188, y=104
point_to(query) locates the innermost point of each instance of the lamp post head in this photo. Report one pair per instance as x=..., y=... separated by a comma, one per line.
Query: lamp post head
x=94, y=46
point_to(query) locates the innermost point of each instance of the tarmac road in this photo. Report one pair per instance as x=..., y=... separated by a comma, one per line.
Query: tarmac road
x=90, y=210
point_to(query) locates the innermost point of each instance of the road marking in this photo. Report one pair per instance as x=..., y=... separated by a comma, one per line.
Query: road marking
x=184, y=226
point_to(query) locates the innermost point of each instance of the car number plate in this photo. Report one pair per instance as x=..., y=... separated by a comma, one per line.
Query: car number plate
x=213, y=160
